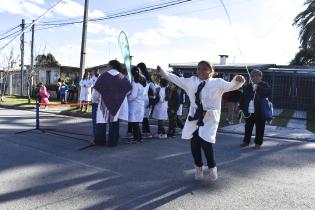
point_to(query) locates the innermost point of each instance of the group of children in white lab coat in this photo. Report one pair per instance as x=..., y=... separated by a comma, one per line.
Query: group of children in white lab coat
x=116, y=97
x=148, y=99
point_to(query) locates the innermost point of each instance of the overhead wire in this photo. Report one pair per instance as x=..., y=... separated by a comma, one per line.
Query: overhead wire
x=26, y=28
x=9, y=30
x=236, y=41
x=120, y=14
x=49, y=25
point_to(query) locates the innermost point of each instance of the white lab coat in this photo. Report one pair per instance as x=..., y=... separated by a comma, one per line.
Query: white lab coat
x=180, y=108
x=85, y=93
x=160, y=109
x=210, y=96
x=136, y=103
x=93, y=80
x=102, y=117
x=123, y=111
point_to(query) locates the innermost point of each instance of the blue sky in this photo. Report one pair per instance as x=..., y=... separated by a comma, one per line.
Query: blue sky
x=194, y=31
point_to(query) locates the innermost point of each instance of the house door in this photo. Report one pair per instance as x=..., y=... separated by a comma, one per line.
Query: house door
x=48, y=76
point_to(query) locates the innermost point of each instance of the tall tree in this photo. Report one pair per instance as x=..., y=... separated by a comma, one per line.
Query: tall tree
x=305, y=20
x=48, y=60
x=304, y=56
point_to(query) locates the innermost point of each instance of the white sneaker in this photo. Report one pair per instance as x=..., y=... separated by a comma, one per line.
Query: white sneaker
x=212, y=174
x=198, y=173
x=163, y=136
x=147, y=135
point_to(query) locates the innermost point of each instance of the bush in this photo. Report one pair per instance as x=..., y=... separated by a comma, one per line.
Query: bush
x=67, y=80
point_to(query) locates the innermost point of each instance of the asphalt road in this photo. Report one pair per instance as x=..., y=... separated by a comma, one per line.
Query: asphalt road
x=48, y=171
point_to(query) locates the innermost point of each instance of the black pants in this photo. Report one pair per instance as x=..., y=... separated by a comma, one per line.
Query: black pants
x=172, y=117
x=196, y=144
x=179, y=122
x=136, y=131
x=161, y=129
x=145, y=125
x=129, y=127
x=113, y=136
x=256, y=120
x=58, y=94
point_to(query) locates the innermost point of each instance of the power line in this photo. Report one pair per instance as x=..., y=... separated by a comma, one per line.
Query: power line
x=131, y=12
x=31, y=24
x=114, y=13
x=10, y=35
x=9, y=30
x=57, y=23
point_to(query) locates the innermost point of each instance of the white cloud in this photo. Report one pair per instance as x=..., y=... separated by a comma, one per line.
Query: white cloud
x=96, y=14
x=69, y=9
x=24, y=8
x=96, y=28
x=33, y=9
x=174, y=27
x=38, y=1
x=149, y=38
x=10, y=6
x=193, y=39
x=73, y=9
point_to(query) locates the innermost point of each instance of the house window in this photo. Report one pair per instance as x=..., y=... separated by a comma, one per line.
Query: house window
x=48, y=73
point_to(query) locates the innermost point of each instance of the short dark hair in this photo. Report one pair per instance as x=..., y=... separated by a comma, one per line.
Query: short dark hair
x=144, y=70
x=115, y=64
x=163, y=82
x=135, y=72
x=206, y=63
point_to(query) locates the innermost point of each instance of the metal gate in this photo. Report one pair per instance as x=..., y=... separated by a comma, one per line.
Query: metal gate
x=292, y=90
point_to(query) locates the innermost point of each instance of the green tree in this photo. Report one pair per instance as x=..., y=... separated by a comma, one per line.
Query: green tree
x=304, y=56
x=46, y=60
x=305, y=20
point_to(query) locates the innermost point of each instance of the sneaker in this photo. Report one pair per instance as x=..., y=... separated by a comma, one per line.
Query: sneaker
x=244, y=144
x=128, y=136
x=147, y=135
x=162, y=136
x=157, y=135
x=171, y=135
x=134, y=141
x=257, y=146
x=198, y=173
x=211, y=174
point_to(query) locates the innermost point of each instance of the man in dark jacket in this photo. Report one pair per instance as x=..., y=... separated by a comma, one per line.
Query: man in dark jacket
x=251, y=103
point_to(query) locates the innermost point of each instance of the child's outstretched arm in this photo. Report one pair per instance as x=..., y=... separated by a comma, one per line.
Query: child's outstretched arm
x=179, y=81
x=235, y=84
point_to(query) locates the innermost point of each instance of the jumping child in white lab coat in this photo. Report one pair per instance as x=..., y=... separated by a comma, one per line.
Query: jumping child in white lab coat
x=205, y=94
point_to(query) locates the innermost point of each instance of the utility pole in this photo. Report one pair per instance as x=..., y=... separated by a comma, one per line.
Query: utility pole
x=83, y=41
x=22, y=55
x=30, y=79
x=32, y=46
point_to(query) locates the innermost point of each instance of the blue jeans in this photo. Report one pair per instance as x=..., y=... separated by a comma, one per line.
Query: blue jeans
x=94, y=111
